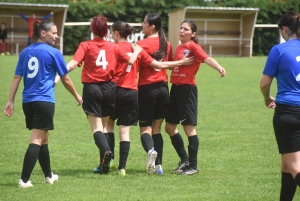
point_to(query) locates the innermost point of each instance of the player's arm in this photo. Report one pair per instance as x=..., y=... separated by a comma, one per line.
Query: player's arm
x=265, y=85
x=22, y=16
x=47, y=16
x=9, y=108
x=137, y=50
x=171, y=64
x=70, y=66
x=66, y=80
x=215, y=65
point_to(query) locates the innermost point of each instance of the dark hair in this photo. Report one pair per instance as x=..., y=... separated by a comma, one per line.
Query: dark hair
x=99, y=26
x=123, y=28
x=3, y=23
x=193, y=28
x=154, y=19
x=290, y=19
x=39, y=26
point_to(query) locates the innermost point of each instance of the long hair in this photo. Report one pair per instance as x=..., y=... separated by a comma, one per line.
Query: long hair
x=161, y=53
x=292, y=21
x=193, y=28
x=39, y=26
x=123, y=28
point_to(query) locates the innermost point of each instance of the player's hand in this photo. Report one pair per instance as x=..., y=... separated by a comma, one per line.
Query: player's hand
x=51, y=12
x=270, y=102
x=137, y=48
x=187, y=60
x=9, y=109
x=79, y=99
x=222, y=71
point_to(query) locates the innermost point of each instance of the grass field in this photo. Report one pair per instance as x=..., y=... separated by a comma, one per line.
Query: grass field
x=238, y=157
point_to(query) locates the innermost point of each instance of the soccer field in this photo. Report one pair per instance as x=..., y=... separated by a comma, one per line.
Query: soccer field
x=237, y=159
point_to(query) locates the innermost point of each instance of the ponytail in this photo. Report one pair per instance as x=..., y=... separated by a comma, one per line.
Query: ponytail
x=36, y=34
x=161, y=53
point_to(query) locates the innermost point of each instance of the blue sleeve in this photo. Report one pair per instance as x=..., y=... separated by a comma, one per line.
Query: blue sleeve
x=46, y=17
x=19, y=69
x=23, y=16
x=272, y=62
x=60, y=64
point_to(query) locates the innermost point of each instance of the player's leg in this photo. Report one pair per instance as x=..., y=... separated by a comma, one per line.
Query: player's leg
x=7, y=47
x=124, y=148
x=288, y=184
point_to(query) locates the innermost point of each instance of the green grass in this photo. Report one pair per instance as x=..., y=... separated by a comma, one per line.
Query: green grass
x=238, y=157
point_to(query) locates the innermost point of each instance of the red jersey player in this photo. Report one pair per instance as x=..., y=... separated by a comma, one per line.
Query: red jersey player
x=126, y=110
x=153, y=90
x=183, y=99
x=100, y=59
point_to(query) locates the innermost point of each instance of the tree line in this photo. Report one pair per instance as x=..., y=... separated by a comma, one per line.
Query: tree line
x=135, y=11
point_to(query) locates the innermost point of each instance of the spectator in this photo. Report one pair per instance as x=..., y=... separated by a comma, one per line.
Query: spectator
x=30, y=22
x=3, y=39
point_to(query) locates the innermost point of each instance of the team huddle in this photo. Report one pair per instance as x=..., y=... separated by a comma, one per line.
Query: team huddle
x=123, y=84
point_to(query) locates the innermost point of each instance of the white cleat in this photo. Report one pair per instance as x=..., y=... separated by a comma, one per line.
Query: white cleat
x=28, y=184
x=152, y=154
x=52, y=179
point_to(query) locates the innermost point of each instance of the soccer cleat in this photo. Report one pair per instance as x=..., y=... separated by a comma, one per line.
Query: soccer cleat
x=181, y=166
x=159, y=170
x=105, y=164
x=97, y=169
x=7, y=53
x=52, y=179
x=121, y=172
x=25, y=185
x=152, y=154
x=189, y=171
x=2, y=54
x=111, y=165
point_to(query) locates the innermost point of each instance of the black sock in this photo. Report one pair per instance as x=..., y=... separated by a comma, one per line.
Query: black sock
x=193, y=150
x=158, y=147
x=147, y=141
x=288, y=187
x=101, y=142
x=297, y=179
x=112, y=143
x=178, y=145
x=30, y=159
x=44, y=160
x=124, y=151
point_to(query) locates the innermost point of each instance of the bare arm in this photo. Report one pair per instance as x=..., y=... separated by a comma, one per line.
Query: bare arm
x=66, y=80
x=70, y=66
x=137, y=50
x=265, y=85
x=215, y=65
x=172, y=64
x=9, y=108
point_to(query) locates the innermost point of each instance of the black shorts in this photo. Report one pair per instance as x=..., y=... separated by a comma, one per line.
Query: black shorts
x=39, y=115
x=183, y=104
x=99, y=98
x=286, y=123
x=126, y=110
x=153, y=102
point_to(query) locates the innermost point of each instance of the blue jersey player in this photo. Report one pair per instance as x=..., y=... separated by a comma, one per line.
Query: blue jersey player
x=38, y=65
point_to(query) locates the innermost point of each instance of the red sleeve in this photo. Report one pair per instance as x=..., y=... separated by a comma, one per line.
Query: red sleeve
x=80, y=53
x=145, y=59
x=199, y=53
